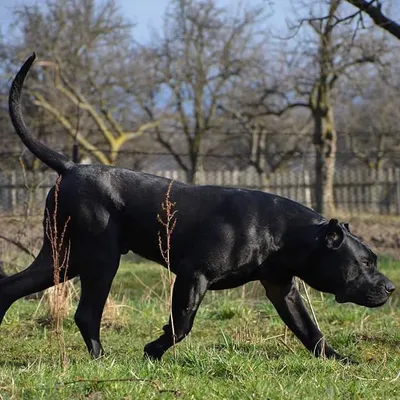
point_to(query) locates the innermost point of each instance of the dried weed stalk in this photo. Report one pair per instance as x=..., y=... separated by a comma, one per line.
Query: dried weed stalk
x=169, y=225
x=310, y=305
x=60, y=296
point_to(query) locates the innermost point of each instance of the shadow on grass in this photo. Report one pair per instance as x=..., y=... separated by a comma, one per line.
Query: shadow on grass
x=14, y=364
x=388, y=341
x=267, y=350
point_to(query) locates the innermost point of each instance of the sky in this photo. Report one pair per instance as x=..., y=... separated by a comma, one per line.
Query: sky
x=146, y=14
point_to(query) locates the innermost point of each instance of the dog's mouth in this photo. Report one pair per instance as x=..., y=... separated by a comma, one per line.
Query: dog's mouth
x=378, y=304
x=374, y=294
x=365, y=300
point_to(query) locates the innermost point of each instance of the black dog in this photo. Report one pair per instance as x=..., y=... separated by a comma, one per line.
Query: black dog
x=224, y=238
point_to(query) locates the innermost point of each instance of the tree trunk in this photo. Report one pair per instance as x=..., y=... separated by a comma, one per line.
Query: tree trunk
x=192, y=169
x=325, y=141
x=325, y=137
x=191, y=176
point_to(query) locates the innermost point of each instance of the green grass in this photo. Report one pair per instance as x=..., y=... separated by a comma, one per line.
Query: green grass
x=235, y=351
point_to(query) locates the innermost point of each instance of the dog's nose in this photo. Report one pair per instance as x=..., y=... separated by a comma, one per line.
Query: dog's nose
x=390, y=288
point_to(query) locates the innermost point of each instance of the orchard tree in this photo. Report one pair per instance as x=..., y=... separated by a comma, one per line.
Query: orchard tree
x=203, y=51
x=84, y=49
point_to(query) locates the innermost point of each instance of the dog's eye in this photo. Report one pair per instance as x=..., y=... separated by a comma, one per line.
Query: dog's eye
x=367, y=263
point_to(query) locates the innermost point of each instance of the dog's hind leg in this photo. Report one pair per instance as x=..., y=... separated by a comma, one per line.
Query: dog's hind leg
x=95, y=287
x=187, y=296
x=37, y=277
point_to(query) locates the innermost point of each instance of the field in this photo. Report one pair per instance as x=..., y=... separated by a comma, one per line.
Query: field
x=238, y=349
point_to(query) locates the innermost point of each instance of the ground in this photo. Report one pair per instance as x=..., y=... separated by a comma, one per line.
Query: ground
x=379, y=231
x=238, y=349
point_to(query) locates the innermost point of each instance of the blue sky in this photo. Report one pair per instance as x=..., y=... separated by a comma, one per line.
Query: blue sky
x=145, y=13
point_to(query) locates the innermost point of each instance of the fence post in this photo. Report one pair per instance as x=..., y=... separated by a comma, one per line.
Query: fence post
x=307, y=188
x=278, y=188
x=359, y=190
x=389, y=190
x=264, y=182
x=248, y=179
x=397, y=177
x=374, y=191
x=219, y=178
x=175, y=176
x=227, y=178
x=235, y=177
x=13, y=184
x=292, y=185
x=4, y=199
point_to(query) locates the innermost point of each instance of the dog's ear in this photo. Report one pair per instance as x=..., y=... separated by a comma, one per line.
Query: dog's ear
x=347, y=226
x=334, y=235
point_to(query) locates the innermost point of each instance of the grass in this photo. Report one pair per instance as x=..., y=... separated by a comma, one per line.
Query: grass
x=237, y=349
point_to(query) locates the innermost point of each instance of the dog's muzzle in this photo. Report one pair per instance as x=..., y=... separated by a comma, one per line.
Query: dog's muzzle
x=368, y=295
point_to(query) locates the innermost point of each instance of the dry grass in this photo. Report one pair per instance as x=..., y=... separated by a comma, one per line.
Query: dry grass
x=113, y=314
x=58, y=301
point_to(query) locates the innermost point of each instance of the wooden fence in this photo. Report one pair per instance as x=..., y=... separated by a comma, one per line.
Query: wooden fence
x=355, y=190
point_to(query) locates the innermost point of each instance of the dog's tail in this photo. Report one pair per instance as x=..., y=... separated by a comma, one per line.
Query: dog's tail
x=2, y=273
x=54, y=160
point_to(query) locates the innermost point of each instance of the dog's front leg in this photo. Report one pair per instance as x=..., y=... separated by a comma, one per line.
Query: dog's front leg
x=287, y=301
x=188, y=293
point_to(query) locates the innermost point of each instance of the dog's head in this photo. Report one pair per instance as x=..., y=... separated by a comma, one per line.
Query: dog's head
x=345, y=266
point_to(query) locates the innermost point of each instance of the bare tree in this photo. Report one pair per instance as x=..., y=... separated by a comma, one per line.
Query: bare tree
x=371, y=131
x=369, y=119
x=114, y=134
x=270, y=142
x=203, y=51
x=83, y=50
x=325, y=52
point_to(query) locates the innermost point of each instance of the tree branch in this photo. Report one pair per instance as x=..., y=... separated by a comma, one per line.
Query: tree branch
x=375, y=12
x=125, y=136
x=167, y=145
x=17, y=244
x=77, y=99
x=89, y=147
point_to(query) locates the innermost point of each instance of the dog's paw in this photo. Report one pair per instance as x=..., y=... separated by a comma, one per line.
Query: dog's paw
x=153, y=352
x=330, y=353
x=96, y=351
x=327, y=352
